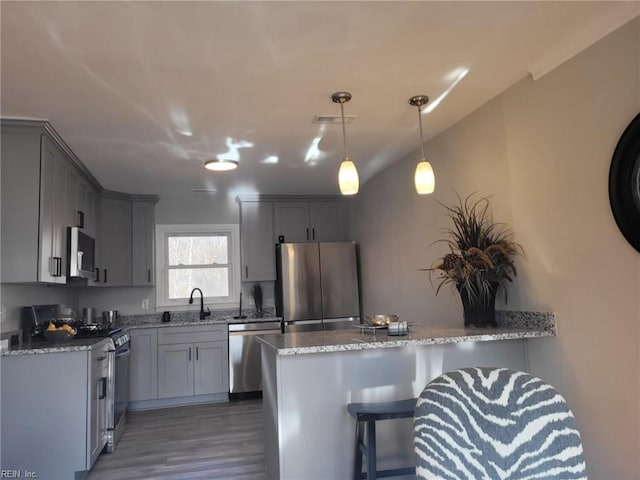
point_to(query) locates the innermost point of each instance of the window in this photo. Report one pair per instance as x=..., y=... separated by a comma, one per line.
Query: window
x=197, y=256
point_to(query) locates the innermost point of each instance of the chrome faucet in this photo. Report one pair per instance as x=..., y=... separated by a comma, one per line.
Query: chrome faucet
x=202, y=312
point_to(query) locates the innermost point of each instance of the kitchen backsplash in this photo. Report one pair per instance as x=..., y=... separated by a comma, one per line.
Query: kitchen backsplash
x=189, y=316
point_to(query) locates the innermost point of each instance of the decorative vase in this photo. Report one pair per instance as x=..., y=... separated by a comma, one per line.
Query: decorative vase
x=479, y=313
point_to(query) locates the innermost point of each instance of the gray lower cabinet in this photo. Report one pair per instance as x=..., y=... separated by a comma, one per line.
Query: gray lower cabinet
x=53, y=408
x=172, y=365
x=192, y=360
x=97, y=416
x=175, y=370
x=143, y=364
x=210, y=369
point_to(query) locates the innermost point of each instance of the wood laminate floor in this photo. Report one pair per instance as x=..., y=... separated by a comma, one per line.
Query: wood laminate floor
x=214, y=441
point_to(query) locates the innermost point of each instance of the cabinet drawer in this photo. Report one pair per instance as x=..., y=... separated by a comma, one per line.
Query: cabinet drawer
x=192, y=334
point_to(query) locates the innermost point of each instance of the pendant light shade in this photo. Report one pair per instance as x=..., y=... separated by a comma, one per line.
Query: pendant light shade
x=348, y=177
x=348, y=174
x=424, y=178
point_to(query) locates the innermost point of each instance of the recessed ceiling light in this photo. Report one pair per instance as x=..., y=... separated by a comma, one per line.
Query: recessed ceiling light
x=218, y=165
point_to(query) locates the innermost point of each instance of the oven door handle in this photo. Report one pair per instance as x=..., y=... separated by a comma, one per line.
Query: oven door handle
x=124, y=353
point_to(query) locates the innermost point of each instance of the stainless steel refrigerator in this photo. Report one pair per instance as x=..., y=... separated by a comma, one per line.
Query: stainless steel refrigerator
x=317, y=285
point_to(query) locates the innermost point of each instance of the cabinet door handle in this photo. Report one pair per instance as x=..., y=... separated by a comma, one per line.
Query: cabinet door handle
x=80, y=219
x=105, y=276
x=104, y=388
x=246, y=271
x=197, y=353
x=149, y=275
x=52, y=266
x=313, y=232
x=97, y=274
x=189, y=353
x=307, y=234
x=56, y=267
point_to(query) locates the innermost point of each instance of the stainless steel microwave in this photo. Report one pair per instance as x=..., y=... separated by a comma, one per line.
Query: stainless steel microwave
x=82, y=254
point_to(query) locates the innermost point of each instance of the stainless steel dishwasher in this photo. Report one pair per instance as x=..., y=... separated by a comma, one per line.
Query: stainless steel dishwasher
x=245, y=366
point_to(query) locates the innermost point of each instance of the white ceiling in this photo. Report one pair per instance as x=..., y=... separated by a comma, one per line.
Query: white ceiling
x=144, y=92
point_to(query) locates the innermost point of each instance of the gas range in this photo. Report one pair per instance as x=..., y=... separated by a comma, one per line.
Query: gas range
x=84, y=331
x=117, y=334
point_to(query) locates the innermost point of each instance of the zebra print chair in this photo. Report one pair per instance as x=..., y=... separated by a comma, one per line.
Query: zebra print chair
x=495, y=423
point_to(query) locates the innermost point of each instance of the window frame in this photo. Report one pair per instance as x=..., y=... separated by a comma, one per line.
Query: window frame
x=163, y=232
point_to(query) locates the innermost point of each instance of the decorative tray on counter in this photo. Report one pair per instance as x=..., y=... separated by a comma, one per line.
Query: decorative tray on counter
x=374, y=328
x=369, y=328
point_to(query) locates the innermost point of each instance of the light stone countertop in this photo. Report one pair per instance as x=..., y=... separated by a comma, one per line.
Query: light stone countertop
x=191, y=317
x=43, y=346
x=195, y=322
x=511, y=325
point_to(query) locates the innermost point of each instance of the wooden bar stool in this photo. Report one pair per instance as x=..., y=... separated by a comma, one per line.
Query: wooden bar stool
x=366, y=415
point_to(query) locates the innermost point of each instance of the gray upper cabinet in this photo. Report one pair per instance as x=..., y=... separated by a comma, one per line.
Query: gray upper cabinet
x=83, y=212
x=142, y=238
x=45, y=190
x=39, y=179
x=265, y=218
x=292, y=221
x=126, y=240
x=327, y=221
x=115, y=241
x=55, y=171
x=257, y=241
x=313, y=221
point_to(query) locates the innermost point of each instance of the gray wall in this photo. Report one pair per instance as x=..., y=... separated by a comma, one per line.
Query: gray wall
x=196, y=208
x=172, y=208
x=542, y=150
x=190, y=208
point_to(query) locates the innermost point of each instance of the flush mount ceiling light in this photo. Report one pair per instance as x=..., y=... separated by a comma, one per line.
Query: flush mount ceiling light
x=424, y=178
x=218, y=165
x=347, y=175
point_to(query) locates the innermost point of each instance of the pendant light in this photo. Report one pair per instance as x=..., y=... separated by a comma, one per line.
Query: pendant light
x=347, y=175
x=424, y=179
x=219, y=165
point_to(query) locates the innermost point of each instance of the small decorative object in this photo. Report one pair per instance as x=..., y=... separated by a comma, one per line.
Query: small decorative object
x=256, y=291
x=480, y=261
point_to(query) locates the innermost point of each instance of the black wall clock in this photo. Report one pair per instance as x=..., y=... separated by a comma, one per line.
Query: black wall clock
x=624, y=183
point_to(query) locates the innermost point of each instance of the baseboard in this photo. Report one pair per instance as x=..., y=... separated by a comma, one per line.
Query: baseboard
x=177, y=401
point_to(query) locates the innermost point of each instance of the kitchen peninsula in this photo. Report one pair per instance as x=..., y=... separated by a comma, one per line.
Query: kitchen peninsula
x=309, y=378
